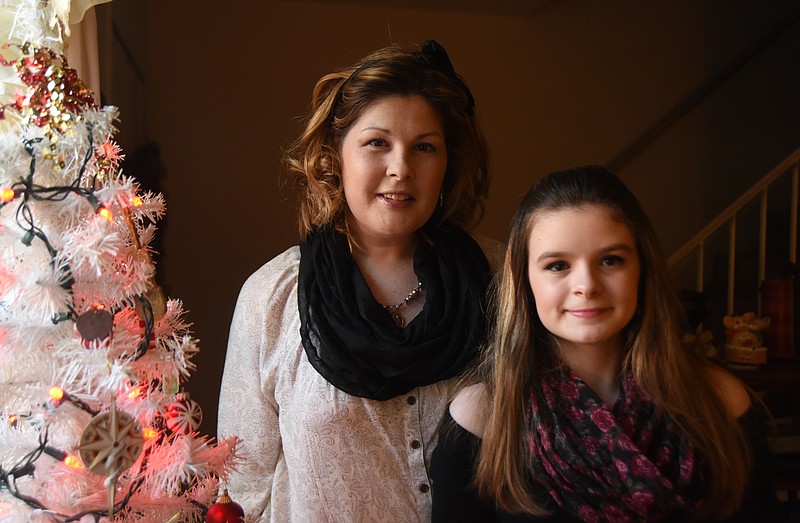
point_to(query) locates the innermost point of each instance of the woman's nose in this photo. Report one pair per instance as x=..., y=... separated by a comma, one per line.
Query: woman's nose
x=400, y=165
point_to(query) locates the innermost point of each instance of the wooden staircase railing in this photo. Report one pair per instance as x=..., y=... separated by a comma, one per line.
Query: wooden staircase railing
x=697, y=245
x=777, y=382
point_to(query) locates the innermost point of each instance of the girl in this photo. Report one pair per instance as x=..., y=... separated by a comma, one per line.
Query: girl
x=589, y=407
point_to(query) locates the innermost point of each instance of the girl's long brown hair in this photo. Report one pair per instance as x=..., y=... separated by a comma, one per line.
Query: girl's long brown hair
x=672, y=376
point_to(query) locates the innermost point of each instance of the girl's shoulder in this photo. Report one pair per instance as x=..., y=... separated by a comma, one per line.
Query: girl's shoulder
x=469, y=408
x=731, y=390
x=494, y=250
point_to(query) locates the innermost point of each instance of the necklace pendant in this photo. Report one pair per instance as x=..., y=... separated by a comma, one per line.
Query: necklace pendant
x=398, y=319
x=392, y=309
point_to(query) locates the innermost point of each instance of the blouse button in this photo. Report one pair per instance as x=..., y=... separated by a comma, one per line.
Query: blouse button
x=412, y=400
x=424, y=488
x=415, y=444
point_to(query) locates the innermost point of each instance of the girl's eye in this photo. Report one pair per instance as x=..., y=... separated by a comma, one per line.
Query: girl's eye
x=556, y=267
x=609, y=261
x=376, y=142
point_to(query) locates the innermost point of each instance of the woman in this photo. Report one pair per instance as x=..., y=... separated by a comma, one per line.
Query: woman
x=589, y=407
x=342, y=350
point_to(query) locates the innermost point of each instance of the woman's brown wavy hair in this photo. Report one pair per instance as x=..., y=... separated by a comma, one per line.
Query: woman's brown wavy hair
x=340, y=98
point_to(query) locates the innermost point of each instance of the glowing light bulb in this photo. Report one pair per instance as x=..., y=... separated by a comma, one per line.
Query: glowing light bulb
x=22, y=100
x=135, y=392
x=136, y=201
x=57, y=393
x=7, y=194
x=72, y=462
x=105, y=213
x=149, y=433
x=12, y=420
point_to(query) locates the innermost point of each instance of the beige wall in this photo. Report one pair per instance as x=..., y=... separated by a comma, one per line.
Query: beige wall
x=223, y=85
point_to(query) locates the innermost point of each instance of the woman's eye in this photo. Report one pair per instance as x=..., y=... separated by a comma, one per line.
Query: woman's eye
x=556, y=266
x=376, y=142
x=426, y=147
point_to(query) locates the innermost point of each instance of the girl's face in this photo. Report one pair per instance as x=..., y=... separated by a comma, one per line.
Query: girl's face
x=394, y=159
x=583, y=269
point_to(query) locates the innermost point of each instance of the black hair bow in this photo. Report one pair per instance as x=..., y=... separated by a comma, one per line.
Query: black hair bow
x=436, y=58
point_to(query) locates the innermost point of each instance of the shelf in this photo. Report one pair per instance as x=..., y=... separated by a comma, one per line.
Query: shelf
x=776, y=375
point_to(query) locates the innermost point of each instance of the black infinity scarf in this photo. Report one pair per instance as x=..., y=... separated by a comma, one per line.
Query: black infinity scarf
x=352, y=341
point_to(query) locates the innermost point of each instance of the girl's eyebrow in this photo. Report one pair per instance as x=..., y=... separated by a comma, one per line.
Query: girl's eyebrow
x=618, y=247
x=549, y=254
x=610, y=248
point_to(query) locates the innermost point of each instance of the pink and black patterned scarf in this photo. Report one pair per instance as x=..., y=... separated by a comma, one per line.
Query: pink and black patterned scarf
x=620, y=464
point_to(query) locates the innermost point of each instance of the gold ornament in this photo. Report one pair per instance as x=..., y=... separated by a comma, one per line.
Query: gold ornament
x=158, y=301
x=154, y=295
x=110, y=444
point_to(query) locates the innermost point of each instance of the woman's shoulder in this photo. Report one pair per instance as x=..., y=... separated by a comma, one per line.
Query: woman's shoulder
x=278, y=276
x=288, y=259
x=731, y=390
x=285, y=263
x=470, y=407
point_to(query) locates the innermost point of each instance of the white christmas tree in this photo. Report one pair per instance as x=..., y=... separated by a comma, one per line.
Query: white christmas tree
x=95, y=423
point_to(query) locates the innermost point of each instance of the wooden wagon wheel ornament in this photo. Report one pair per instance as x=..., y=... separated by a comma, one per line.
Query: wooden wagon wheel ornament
x=109, y=445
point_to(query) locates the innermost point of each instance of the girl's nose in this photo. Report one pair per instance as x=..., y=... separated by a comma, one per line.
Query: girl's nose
x=586, y=282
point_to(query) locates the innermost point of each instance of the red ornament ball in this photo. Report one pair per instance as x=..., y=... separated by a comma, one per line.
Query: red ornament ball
x=225, y=510
x=184, y=415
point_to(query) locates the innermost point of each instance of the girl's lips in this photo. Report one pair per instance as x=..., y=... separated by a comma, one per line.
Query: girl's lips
x=587, y=313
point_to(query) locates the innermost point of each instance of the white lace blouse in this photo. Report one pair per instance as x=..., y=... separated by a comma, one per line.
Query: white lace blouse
x=311, y=452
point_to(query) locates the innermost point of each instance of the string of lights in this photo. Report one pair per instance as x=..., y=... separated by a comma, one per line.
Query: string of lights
x=95, y=356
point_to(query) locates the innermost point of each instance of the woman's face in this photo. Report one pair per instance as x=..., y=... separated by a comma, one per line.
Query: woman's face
x=394, y=159
x=583, y=269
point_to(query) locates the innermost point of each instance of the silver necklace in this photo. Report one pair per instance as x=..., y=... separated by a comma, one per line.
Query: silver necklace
x=392, y=309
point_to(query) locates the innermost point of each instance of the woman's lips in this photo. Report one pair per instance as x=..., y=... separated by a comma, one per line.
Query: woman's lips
x=396, y=199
